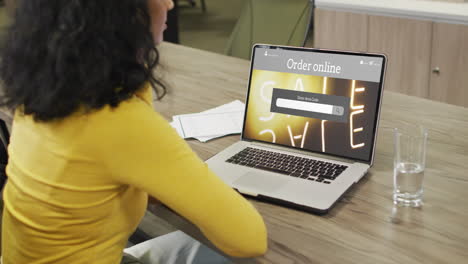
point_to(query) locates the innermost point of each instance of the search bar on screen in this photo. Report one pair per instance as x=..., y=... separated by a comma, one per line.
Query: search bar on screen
x=310, y=106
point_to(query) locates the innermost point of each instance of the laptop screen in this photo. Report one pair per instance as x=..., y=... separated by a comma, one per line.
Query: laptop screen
x=315, y=100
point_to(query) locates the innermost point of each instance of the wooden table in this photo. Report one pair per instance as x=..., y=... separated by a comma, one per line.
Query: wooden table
x=364, y=227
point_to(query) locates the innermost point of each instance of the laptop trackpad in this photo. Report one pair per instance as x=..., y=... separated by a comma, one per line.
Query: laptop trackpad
x=259, y=183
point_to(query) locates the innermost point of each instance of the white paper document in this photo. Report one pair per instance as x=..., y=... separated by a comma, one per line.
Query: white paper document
x=216, y=122
x=211, y=124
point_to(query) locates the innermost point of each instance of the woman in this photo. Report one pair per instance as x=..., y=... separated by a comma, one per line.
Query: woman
x=87, y=148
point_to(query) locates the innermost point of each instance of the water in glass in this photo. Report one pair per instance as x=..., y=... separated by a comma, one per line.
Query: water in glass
x=409, y=164
x=408, y=184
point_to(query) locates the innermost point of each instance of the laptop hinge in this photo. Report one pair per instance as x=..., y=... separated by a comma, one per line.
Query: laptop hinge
x=270, y=146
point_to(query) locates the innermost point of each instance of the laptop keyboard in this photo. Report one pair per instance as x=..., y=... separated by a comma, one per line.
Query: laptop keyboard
x=310, y=169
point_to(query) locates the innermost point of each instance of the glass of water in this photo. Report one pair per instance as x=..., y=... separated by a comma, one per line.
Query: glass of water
x=409, y=164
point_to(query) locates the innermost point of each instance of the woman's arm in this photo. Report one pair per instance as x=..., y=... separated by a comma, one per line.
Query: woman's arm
x=141, y=149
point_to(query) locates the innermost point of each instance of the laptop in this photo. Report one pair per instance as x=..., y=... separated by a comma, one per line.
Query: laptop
x=310, y=126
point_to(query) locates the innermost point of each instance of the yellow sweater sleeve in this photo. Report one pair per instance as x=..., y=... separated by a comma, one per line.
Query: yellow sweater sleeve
x=139, y=148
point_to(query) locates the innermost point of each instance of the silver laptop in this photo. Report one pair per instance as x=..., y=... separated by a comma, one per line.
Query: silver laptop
x=310, y=126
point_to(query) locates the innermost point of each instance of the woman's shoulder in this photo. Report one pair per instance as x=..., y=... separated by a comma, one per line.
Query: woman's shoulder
x=128, y=115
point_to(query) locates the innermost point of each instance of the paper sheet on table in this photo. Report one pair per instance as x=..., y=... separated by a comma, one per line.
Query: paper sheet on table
x=210, y=124
x=233, y=106
x=216, y=122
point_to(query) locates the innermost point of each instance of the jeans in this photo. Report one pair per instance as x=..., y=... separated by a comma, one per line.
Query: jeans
x=173, y=248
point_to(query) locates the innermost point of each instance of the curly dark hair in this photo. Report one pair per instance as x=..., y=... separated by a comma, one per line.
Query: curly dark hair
x=60, y=55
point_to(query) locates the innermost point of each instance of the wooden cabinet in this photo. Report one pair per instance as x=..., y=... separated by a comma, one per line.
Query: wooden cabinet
x=426, y=59
x=340, y=30
x=449, y=66
x=407, y=44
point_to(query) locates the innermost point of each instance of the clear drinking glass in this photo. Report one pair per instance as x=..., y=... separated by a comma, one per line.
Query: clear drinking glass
x=409, y=164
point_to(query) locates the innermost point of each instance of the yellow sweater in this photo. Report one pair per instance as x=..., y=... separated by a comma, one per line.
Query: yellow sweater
x=78, y=187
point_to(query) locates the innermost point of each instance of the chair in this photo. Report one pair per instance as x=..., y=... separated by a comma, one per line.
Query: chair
x=4, y=139
x=277, y=22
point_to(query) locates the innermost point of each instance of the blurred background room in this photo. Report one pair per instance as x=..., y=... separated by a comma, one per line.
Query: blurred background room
x=425, y=40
